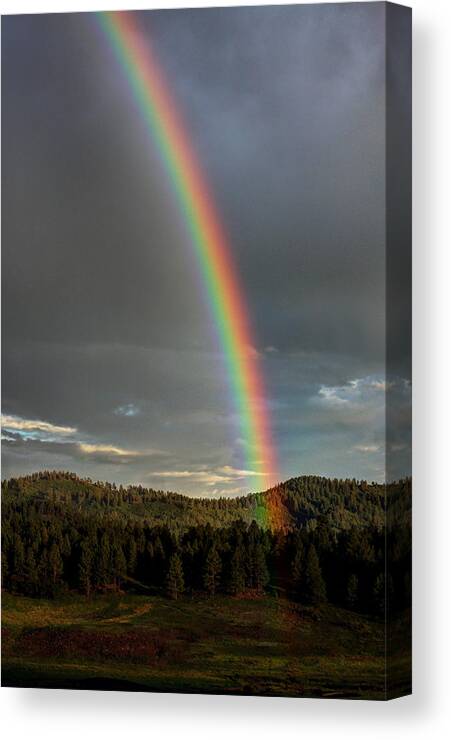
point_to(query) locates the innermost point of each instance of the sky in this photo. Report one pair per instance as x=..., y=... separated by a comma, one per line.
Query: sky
x=111, y=365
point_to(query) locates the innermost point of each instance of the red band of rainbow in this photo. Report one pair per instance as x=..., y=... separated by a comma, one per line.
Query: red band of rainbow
x=137, y=60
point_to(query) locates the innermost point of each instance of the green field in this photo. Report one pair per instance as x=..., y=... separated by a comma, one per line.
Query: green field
x=265, y=646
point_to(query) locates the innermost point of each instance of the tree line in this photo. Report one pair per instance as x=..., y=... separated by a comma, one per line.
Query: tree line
x=51, y=546
x=297, y=502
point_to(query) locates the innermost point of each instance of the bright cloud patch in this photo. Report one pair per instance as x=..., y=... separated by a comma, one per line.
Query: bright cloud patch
x=361, y=394
x=65, y=440
x=30, y=427
x=128, y=409
x=8, y=438
x=358, y=390
x=225, y=474
x=95, y=449
x=367, y=448
x=331, y=395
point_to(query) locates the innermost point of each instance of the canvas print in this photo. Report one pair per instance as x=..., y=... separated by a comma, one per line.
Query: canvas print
x=206, y=457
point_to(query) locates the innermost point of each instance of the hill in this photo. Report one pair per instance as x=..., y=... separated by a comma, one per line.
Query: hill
x=296, y=503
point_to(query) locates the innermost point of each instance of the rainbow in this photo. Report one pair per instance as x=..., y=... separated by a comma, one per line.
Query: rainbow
x=164, y=123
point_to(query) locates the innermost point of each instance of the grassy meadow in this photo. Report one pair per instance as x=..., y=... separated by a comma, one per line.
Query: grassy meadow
x=221, y=645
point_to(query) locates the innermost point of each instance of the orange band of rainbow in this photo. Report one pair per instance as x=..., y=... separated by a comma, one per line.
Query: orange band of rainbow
x=134, y=53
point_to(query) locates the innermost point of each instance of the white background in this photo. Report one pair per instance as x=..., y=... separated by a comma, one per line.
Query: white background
x=40, y=714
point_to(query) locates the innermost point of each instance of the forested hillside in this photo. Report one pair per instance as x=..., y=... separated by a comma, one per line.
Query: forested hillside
x=61, y=533
x=296, y=503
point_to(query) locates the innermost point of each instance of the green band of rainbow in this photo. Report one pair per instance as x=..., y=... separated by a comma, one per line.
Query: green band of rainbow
x=137, y=60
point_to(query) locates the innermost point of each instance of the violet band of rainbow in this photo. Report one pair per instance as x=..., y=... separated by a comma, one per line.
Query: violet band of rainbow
x=138, y=62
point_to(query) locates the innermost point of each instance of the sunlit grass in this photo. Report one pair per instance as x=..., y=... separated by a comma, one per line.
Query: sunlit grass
x=219, y=645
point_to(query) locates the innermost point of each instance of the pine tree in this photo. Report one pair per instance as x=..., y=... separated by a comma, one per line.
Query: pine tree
x=237, y=578
x=119, y=564
x=30, y=573
x=352, y=591
x=103, y=561
x=5, y=569
x=261, y=575
x=322, y=534
x=55, y=562
x=383, y=591
x=379, y=594
x=314, y=586
x=85, y=568
x=297, y=569
x=174, y=580
x=159, y=561
x=212, y=571
x=131, y=557
x=18, y=558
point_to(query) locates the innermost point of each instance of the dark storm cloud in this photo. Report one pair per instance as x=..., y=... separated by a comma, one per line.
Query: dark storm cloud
x=285, y=108
x=287, y=111
x=90, y=244
x=103, y=305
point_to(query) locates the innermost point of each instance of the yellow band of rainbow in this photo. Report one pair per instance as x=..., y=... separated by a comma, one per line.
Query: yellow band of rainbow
x=136, y=58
